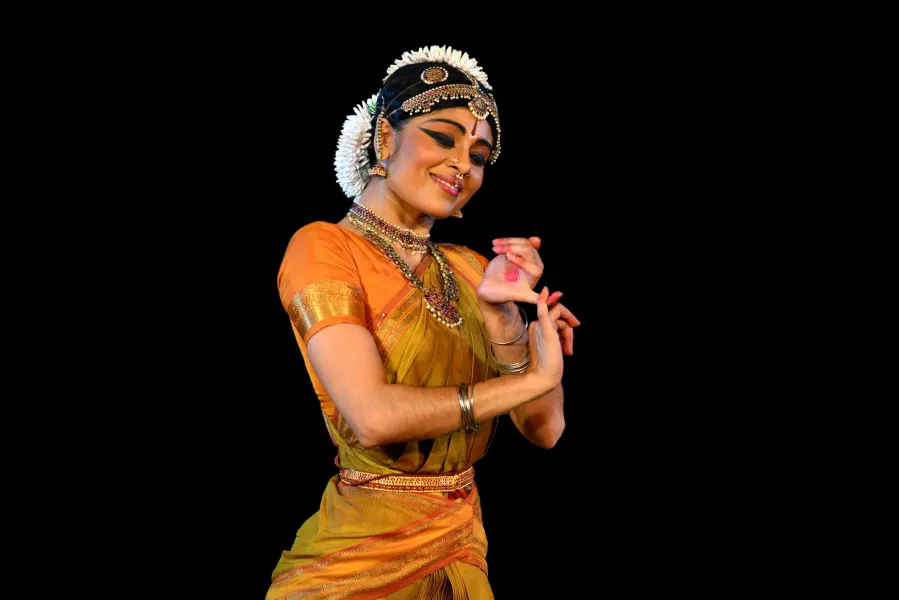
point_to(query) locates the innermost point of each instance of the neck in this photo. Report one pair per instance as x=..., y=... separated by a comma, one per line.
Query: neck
x=394, y=209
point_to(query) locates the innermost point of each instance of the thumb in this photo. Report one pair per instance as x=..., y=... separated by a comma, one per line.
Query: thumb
x=542, y=309
x=529, y=296
x=548, y=324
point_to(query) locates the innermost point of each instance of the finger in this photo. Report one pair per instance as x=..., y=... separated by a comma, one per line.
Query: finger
x=566, y=314
x=561, y=324
x=528, y=255
x=555, y=313
x=521, y=295
x=522, y=246
x=569, y=317
x=542, y=309
x=535, y=242
x=563, y=342
x=568, y=340
x=549, y=328
x=553, y=298
x=528, y=296
x=524, y=250
x=529, y=267
x=560, y=311
x=532, y=342
x=510, y=240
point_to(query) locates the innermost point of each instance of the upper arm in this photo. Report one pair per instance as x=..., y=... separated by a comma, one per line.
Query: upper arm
x=347, y=363
x=319, y=283
x=321, y=291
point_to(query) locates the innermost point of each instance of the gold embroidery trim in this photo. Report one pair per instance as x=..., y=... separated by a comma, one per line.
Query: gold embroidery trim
x=323, y=300
x=470, y=259
x=372, y=543
x=466, y=255
x=391, y=571
x=344, y=431
x=409, y=483
x=396, y=323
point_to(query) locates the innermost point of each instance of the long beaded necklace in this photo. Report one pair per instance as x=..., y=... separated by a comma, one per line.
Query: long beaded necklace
x=409, y=240
x=438, y=304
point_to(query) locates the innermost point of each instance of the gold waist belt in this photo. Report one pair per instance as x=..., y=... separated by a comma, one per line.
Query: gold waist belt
x=445, y=482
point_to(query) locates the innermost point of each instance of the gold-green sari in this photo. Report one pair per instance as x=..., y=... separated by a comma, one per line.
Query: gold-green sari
x=370, y=543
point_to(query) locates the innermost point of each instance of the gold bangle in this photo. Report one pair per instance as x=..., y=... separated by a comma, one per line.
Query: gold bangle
x=460, y=395
x=523, y=316
x=469, y=409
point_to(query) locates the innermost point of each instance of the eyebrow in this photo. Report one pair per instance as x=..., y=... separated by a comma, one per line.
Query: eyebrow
x=463, y=130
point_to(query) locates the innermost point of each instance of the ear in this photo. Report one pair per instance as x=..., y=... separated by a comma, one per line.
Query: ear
x=388, y=139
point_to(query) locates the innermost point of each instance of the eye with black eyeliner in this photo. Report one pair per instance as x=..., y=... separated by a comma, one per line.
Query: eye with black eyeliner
x=441, y=138
x=447, y=142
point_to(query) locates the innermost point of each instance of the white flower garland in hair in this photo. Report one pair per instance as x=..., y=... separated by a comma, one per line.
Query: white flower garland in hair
x=442, y=54
x=351, y=159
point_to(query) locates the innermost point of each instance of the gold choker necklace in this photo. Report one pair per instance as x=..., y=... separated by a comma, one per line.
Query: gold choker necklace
x=372, y=221
x=438, y=304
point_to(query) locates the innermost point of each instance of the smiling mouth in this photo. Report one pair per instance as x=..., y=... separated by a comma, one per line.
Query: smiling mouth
x=450, y=188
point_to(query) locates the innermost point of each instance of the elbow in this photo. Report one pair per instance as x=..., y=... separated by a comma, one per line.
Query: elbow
x=368, y=436
x=368, y=423
x=371, y=433
x=366, y=440
x=550, y=438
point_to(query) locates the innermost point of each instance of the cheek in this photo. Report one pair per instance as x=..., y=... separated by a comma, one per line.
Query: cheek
x=412, y=168
x=421, y=164
x=425, y=154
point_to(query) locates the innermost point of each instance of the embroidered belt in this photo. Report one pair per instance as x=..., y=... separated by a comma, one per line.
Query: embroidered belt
x=446, y=482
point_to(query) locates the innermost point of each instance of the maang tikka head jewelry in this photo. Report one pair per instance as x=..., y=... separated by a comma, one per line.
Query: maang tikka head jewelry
x=439, y=64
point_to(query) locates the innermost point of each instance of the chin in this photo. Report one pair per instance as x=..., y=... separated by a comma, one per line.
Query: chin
x=442, y=209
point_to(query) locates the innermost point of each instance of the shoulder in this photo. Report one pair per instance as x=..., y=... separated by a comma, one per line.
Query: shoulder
x=319, y=241
x=319, y=251
x=319, y=231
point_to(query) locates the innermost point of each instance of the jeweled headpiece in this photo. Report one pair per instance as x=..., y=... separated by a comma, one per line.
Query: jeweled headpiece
x=443, y=78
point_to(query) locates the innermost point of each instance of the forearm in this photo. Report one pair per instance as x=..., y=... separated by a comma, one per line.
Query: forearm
x=504, y=323
x=542, y=420
x=402, y=413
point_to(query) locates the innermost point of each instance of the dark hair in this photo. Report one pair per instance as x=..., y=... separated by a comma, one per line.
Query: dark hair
x=406, y=82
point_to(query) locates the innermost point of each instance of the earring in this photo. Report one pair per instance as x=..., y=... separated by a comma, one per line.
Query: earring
x=457, y=214
x=378, y=170
x=378, y=135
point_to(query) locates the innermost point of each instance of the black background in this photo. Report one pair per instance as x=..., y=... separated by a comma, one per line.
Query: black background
x=716, y=211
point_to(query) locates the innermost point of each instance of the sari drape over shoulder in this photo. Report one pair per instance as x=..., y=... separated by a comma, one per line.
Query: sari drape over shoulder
x=368, y=543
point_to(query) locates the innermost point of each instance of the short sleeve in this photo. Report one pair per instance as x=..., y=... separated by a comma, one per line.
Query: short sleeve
x=318, y=281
